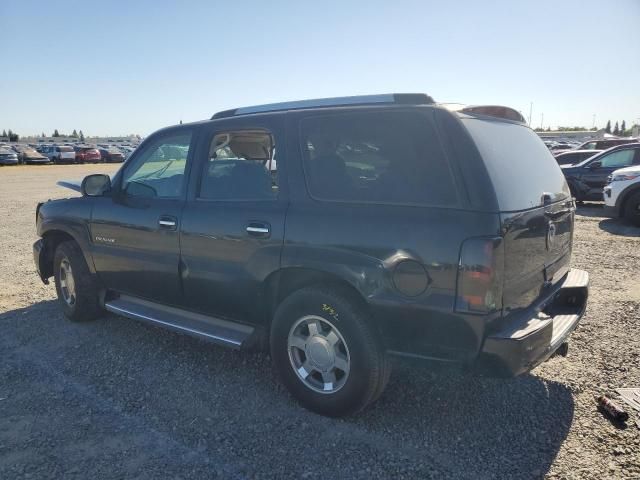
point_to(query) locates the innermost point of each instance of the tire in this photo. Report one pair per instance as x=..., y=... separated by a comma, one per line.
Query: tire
x=632, y=209
x=77, y=289
x=575, y=195
x=341, y=322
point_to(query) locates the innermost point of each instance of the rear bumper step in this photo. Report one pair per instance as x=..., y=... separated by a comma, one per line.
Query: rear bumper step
x=532, y=336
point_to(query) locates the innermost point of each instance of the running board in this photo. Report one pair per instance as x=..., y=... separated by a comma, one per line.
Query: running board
x=216, y=330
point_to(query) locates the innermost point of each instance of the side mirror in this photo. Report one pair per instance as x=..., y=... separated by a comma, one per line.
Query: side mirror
x=594, y=165
x=95, y=185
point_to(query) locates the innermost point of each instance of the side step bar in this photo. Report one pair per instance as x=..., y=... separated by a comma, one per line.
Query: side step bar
x=216, y=330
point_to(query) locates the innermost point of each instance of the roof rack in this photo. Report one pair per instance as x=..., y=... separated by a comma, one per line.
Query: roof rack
x=397, y=98
x=498, y=111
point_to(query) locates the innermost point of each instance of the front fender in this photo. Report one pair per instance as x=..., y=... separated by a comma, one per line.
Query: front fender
x=624, y=194
x=66, y=218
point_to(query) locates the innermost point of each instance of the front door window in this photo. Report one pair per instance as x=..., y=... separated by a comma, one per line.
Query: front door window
x=158, y=171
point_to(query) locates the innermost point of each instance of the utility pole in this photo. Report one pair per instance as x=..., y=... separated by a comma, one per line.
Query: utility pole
x=541, y=120
x=593, y=122
x=530, y=112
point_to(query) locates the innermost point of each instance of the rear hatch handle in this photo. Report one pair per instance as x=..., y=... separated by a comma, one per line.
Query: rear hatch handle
x=547, y=199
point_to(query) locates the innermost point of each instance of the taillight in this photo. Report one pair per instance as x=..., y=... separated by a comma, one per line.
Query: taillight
x=479, y=288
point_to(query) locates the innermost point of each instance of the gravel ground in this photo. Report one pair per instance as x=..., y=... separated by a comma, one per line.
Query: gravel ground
x=118, y=399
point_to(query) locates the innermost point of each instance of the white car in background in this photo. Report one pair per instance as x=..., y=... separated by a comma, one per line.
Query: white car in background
x=59, y=153
x=622, y=194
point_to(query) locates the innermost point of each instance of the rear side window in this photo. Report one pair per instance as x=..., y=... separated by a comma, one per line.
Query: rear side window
x=378, y=157
x=521, y=167
x=241, y=166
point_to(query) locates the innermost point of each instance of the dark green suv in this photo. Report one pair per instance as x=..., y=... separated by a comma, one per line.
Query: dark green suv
x=337, y=232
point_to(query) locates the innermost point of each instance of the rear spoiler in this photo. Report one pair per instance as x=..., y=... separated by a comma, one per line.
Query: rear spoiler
x=497, y=111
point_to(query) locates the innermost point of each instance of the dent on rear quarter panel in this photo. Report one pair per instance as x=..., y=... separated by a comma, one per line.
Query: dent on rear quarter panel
x=363, y=244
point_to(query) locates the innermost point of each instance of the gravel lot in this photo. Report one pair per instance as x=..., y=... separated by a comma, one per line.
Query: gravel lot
x=119, y=399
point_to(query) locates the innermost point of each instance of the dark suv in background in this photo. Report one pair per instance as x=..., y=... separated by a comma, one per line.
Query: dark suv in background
x=338, y=232
x=587, y=179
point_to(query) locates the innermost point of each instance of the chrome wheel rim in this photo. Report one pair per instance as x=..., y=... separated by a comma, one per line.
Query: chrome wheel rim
x=318, y=354
x=67, y=283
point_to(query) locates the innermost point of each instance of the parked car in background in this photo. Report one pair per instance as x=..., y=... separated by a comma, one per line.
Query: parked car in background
x=622, y=194
x=333, y=262
x=27, y=154
x=605, y=144
x=111, y=155
x=587, y=179
x=8, y=156
x=87, y=153
x=59, y=153
x=571, y=157
x=126, y=151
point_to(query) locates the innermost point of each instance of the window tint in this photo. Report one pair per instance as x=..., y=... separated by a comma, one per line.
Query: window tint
x=382, y=157
x=589, y=146
x=621, y=158
x=241, y=166
x=159, y=169
x=520, y=166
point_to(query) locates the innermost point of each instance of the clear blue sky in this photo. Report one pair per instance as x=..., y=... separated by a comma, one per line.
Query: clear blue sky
x=118, y=67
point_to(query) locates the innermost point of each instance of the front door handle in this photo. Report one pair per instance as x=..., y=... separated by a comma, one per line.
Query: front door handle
x=259, y=229
x=167, y=222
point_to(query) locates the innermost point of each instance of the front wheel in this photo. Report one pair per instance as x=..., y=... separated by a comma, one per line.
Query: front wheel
x=632, y=209
x=326, y=352
x=76, y=288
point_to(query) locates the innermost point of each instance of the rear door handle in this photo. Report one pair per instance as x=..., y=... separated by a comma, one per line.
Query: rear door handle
x=167, y=222
x=259, y=229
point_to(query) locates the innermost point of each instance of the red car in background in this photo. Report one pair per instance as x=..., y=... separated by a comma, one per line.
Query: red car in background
x=87, y=154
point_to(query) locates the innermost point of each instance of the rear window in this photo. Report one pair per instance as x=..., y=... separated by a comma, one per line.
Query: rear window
x=377, y=157
x=520, y=166
x=65, y=149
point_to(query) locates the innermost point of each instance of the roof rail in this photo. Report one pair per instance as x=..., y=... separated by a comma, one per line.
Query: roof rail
x=498, y=111
x=397, y=98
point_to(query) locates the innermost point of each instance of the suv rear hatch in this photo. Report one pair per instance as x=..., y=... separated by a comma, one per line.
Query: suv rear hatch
x=536, y=208
x=67, y=152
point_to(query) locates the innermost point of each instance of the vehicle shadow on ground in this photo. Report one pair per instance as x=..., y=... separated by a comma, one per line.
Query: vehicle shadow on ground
x=615, y=226
x=618, y=226
x=228, y=406
x=590, y=210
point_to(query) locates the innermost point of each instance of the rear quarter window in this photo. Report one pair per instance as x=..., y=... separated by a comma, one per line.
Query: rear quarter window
x=376, y=157
x=519, y=164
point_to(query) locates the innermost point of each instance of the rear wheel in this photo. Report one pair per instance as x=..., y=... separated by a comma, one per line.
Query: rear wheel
x=326, y=353
x=76, y=288
x=632, y=209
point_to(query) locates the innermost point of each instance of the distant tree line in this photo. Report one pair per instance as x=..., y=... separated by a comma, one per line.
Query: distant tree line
x=74, y=134
x=566, y=129
x=618, y=129
x=11, y=135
